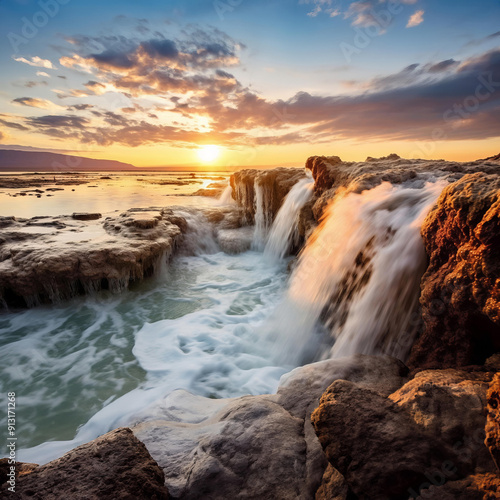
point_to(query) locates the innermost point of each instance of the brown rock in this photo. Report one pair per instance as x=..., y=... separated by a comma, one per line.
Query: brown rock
x=333, y=486
x=461, y=288
x=276, y=184
x=492, y=440
x=449, y=406
x=86, y=216
x=114, y=466
x=381, y=452
x=477, y=487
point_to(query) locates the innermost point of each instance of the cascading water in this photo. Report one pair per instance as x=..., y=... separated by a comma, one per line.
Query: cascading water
x=284, y=229
x=262, y=219
x=358, y=278
x=226, y=197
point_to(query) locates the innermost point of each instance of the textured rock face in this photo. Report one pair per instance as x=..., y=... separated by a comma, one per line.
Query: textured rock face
x=492, y=440
x=461, y=288
x=275, y=185
x=428, y=432
x=51, y=259
x=476, y=487
x=114, y=466
x=374, y=444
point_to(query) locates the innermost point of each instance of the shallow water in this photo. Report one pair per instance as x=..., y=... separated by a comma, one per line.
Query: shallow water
x=96, y=361
x=121, y=192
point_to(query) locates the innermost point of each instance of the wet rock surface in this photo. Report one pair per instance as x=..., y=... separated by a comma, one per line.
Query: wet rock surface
x=254, y=447
x=460, y=295
x=54, y=258
x=275, y=184
x=114, y=466
x=492, y=440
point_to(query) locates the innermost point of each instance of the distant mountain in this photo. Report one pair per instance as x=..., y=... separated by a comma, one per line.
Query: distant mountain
x=30, y=161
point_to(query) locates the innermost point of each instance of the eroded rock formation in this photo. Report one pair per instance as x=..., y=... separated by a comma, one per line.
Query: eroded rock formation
x=461, y=288
x=50, y=259
x=275, y=185
x=427, y=433
x=114, y=466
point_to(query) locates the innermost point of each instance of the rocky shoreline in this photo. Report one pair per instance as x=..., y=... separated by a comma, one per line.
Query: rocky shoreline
x=363, y=427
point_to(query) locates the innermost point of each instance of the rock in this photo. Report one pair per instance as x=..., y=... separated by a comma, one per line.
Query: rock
x=449, y=406
x=54, y=259
x=333, y=486
x=275, y=185
x=381, y=452
x=461, y=288
x=254, y=446
x=249, y=447
x=301, y=389
x=86, y=216
x=492, y=440
x=234, y=241
x=114, y=466
x=476, y=487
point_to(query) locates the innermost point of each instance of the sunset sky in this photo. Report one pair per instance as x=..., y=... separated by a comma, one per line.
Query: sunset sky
x=260, y=82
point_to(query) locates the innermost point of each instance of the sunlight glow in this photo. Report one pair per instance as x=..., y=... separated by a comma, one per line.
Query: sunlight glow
x=209, y=153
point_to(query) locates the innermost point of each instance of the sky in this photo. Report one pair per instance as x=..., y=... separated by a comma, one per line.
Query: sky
x=235, y=83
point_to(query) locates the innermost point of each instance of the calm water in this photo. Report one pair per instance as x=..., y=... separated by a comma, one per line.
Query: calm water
x=121, y=192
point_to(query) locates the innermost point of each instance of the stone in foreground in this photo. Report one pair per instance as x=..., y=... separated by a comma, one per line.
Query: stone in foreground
x=114, y=466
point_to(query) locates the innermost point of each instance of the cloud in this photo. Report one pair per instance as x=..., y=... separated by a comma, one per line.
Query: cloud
x=16, y=126
x=30, y=84
x=36, y=61
x=183, y=91
x=33, y=102
x=416, y=19
x=58, y=121
x=42, y=73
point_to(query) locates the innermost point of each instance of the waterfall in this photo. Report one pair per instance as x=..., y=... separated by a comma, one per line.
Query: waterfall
x=356, y=285
x=263, y=217
x=284, y=229
x=226, y=197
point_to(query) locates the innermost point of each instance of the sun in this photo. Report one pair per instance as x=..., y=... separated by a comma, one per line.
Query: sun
x=209, y=153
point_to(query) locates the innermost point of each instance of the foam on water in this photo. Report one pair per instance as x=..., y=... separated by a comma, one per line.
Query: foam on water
x=89, y=366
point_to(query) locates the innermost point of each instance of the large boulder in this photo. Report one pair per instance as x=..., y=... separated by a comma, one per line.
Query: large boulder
x=378, y=448
x=448, y=405
x=461, y=288
x=114, y=466
x=249, y=447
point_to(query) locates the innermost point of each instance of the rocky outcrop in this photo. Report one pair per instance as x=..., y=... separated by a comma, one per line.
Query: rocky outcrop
x=476, y=487
x=460, y=295
x=427, y=433
x=274, y=184
x=114, y=466
x=492, y=440
x=254, y=447
x=50, y=259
